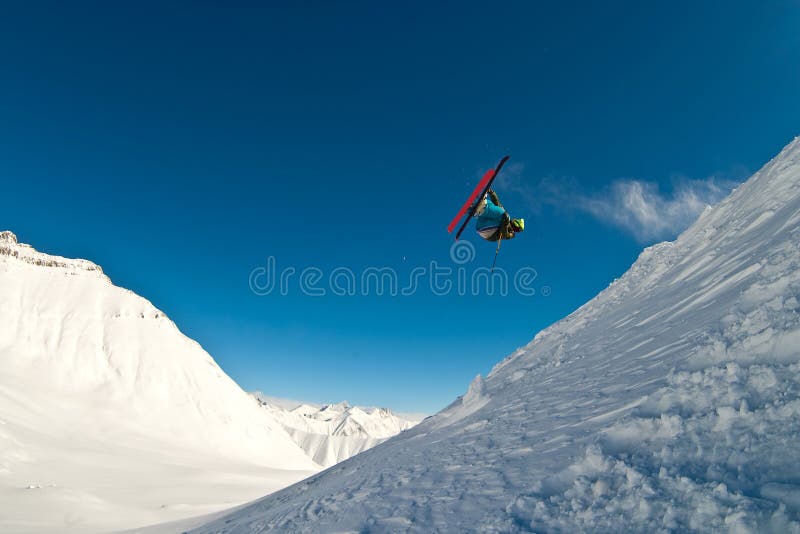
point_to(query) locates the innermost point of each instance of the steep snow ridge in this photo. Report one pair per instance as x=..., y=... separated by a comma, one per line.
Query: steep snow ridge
x=671, y=401
x=336, y=432
x=98, y=384
x=9, y=246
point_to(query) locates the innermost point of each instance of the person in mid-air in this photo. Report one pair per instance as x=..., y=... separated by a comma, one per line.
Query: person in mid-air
x=493, y=222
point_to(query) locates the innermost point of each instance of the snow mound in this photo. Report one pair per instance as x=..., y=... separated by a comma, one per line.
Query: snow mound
x=669, y=402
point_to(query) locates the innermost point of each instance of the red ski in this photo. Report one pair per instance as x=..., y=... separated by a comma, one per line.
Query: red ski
x=479, y=191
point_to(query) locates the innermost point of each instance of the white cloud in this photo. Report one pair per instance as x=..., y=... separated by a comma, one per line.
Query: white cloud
x=636, y=206
x=642, y=210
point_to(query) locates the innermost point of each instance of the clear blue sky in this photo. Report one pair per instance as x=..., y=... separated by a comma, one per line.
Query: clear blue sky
x=179, y=144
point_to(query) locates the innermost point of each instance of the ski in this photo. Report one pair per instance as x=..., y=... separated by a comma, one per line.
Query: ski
x=465, y=207
x=478, y=193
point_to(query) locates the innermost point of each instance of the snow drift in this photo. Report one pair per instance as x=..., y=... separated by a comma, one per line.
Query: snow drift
x=669, y=402
x=109, y=416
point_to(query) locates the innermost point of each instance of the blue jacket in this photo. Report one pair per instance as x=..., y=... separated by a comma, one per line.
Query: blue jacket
x=492, y=216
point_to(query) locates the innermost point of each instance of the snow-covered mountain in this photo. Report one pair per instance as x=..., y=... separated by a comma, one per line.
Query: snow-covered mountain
x=670, y=402
x=109, y=416
x=336, y=432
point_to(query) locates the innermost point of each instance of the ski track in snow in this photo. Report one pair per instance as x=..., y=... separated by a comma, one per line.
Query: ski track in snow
x=670, y=402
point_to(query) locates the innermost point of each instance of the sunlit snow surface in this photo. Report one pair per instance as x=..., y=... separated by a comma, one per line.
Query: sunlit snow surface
x=669, y=402
x=110, y=417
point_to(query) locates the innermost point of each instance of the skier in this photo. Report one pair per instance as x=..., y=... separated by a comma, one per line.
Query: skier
x=493, y=222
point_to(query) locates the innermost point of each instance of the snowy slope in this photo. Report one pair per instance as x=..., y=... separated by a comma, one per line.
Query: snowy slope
x=669, y=402
x=336, y=432
x=109, y=416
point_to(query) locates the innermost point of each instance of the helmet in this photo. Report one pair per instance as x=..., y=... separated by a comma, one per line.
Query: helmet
x=518, y=225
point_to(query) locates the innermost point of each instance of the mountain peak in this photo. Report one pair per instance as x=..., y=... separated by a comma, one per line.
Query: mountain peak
x=337, y=407
x=10, y=247
x=8, y=237
x=338, y=431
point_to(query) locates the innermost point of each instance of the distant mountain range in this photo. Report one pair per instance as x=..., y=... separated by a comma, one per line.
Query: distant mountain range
x=334, y=432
